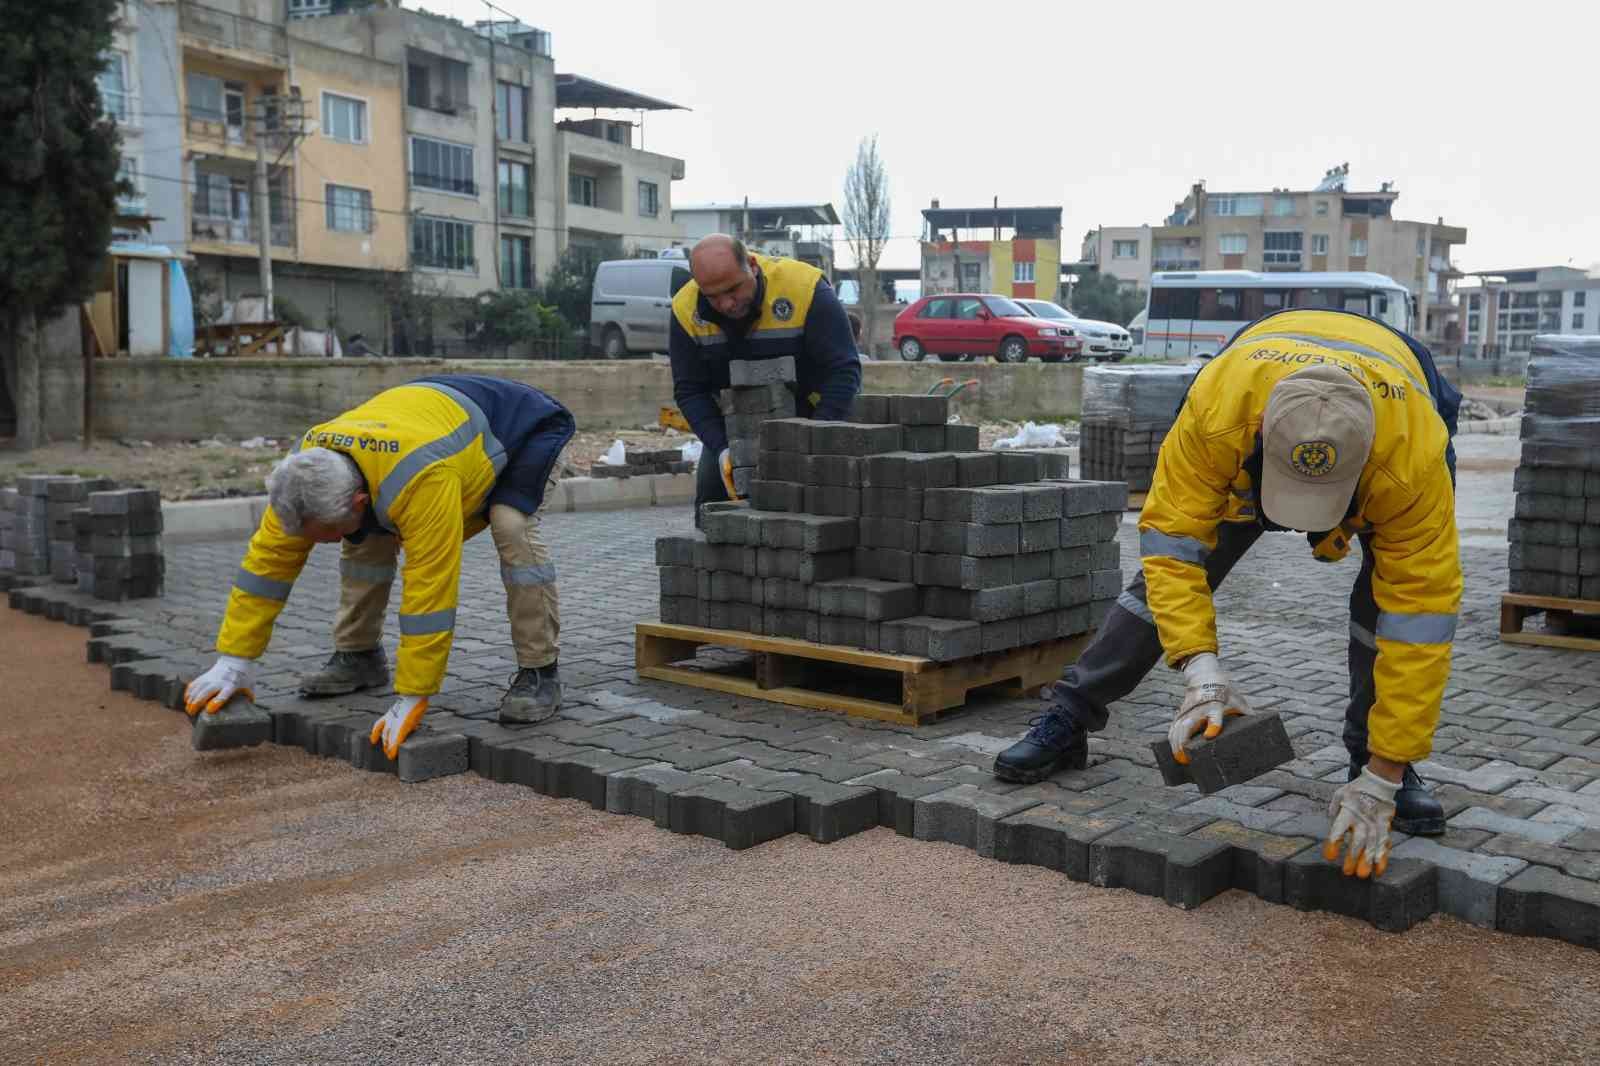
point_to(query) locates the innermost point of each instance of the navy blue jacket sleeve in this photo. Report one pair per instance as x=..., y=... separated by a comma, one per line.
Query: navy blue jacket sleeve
x=692, y=390
x=831, y=348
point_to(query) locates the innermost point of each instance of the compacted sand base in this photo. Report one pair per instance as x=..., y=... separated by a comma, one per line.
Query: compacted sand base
x=265, y=906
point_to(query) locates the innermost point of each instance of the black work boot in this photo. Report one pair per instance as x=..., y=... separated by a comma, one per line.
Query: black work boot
x=1416, y=812
x=533, y=696
x=1054, y=743
x=346, y=672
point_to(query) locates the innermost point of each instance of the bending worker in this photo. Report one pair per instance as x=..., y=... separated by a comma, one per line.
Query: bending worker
x=752, y=307
x=424, y=466
x=1331, y=424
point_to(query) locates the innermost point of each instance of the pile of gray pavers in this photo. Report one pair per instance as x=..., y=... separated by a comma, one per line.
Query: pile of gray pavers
x=638, y=462
x=1555, y=536
x=84, y=532
x=1127, y=411
x=887, y=534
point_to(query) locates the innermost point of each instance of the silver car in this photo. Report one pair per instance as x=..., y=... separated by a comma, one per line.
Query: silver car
x=1104, y=342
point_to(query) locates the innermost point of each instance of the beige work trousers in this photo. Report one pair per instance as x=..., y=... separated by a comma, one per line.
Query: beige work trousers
x=367, y=571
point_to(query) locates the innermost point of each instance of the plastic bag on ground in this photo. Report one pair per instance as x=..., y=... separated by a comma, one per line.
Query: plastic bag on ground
x=1034, y=436
x=691, y=451
x=616, y=455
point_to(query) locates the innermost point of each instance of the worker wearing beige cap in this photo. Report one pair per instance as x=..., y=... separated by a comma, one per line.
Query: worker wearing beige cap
x=1335, y=425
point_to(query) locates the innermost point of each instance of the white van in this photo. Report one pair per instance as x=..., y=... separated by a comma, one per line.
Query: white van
x=630, y=307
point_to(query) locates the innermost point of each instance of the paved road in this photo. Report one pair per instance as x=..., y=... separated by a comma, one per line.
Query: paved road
x=270, y=907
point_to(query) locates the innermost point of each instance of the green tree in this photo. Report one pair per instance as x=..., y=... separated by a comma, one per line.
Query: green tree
x=497, y=320
x=1101, y=296
x=58, y=178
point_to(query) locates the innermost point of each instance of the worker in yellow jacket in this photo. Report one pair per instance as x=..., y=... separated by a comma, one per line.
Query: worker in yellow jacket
x=1331, y=424
x=423, y=467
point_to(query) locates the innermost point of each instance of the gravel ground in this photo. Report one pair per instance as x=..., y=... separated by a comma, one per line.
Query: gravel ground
x=265, y=906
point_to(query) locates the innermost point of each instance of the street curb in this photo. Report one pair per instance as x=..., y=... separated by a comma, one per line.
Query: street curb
x=190, y=521
x=1500, y=427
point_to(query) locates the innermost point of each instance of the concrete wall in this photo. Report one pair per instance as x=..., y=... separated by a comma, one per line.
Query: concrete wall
x=180, y=399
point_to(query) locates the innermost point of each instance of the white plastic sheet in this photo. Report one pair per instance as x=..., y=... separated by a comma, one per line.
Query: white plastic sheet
x=1032, y=435
x=616, y=455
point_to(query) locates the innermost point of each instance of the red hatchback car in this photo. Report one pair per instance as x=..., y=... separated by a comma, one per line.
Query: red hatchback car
x=959, y=324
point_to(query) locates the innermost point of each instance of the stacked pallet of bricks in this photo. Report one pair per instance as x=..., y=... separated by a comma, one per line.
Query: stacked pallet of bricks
x=125, y=559
x=759, y=390
x=892, y=535
x=1127, y=411
x=637, y=462
x=1555, y=536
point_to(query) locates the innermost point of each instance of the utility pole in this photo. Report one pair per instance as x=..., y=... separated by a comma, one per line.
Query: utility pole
x=264, y=217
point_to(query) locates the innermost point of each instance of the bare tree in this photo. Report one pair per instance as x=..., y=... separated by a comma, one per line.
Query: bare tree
x=866, y=225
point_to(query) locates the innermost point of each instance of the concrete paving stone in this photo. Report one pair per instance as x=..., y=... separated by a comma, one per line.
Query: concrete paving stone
x=786, y=435
x=897, y=795
x=984, y=506
x=1040, y=536
x=939, y=639
x=1073, y=591
x=737, y=816
x=642, y=791
x=1526, y=755
x=333, y=734
x=1052, y=836
x=620, y=742
x=1250, y=817
x=983, y=605
x=1562, y=814
x=872, y=408
x=582, y=775
x=824, y=810
x=965, y=815
x=1017, y=468
x=964, y=572
x=835, y=769
x=755, y=373
x=1495, y=822
x=927, y=439
x=1406, y=894
x=1543, y=794
x=761, y=754
x=684, y=757
x=837, y=470
x=919, y=410
x=857, y=439
x=1157, y=817
x=365, y=755
x=1580, y=864
x=977, y=469
x=523, y=761
x=1040, y=596
x=770, y=495
x=886, y=564
x=905, y=504
x=1258, y=857
x=1490, y=778
x=1468, y=884
x=1456, y=799
x=241, y=724
x=1071, y=562
x=958, y=439
x=1184, y=871
x=967, y=538
x=910, y=763
x=1541, y=902
x=1247, y=747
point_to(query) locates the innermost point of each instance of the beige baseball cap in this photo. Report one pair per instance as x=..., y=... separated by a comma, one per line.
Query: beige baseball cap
x=1316, y=436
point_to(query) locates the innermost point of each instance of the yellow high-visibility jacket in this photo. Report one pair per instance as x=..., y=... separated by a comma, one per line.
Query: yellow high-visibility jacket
x=430, y=456
x=1405, y=499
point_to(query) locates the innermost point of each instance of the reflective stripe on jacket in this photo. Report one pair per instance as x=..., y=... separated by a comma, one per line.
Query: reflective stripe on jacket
x=1404, y=496
x=430, y=454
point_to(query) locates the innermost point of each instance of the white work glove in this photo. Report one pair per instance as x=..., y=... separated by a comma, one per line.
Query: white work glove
x=213, y=689
x=398, y=722
x=725, y=467
x=1208, y=697
x=1363, y=809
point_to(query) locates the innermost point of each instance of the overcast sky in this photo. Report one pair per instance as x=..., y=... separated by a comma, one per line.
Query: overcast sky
x=1483, y=114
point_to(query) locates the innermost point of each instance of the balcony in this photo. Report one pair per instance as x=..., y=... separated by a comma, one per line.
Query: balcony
x=439, y=84
x=246, y=231
x=443, y=183
x=1175, y=264
x=233, y=34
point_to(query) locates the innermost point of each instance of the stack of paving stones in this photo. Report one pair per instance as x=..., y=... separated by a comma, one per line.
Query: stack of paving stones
x=1127, y=411
x=1555, y=536
x=759, y=390
x=9, y=500
x=69, y=546
x=743, y=782
x=125, y=559
x=889, y=534
x=32, y=527
x=641, y=461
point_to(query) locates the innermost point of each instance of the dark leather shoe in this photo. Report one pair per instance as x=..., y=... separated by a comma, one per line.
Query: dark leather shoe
x=1054, y=743
x=1416, y=812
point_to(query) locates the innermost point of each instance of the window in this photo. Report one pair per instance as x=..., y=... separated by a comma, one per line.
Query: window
x=1521, y=342
x=344, y=118
x=516, y=263
x=1124, y=249
x=205, y=98
x=1282, y=247
x=937, y=308
x=349, y=210
x=1474, y=301
x=649, y=199
x=1221, y=305
x=1505, y=299
x=1232, y=244
x=516, y=184
x=1422, y=245
x=1282, y=205
x=1501, y=322
x=1577, y=298
x=1549, y=299
x=581, y=190
x=442, y=165
x=1358, y=246
x=1273, y=300
x=968, y=308
x=1022, y=272
x=442, y=244
x=1236, y=205
x=971, y=275
x=114, y=95
x=436, y=83
x=1322, y=209
x=511, y=112
x=1473, y=322
x=1319, y=244
x=1549, y=320
x=1577, y=320
x=1174, y=304
x=133, y=198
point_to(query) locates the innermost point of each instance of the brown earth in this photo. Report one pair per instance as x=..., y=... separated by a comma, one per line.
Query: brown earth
x=265, y=906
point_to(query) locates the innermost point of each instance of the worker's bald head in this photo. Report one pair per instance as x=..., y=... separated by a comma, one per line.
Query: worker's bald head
x=726, y=273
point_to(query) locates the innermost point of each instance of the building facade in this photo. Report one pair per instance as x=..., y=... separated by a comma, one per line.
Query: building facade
x=793, y=230
x=1502, y=310
x=1011, y=251
x=1328, y=228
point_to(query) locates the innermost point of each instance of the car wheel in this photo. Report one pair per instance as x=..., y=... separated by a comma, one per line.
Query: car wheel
x=1012, y=350
x=614, y=345
x=911, y=350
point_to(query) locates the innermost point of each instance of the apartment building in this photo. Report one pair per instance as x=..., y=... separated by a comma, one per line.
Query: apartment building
x=139, y=91
x=794, y=230
x=1329, y=227
x=1123, y=252
x=1502, y=310
x=1012, y=251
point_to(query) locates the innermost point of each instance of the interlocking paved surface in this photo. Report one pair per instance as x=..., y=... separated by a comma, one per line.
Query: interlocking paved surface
x=1515, y=758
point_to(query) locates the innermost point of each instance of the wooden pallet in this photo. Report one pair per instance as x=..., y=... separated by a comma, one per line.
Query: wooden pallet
x=1515, y=607
x=798, y=672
